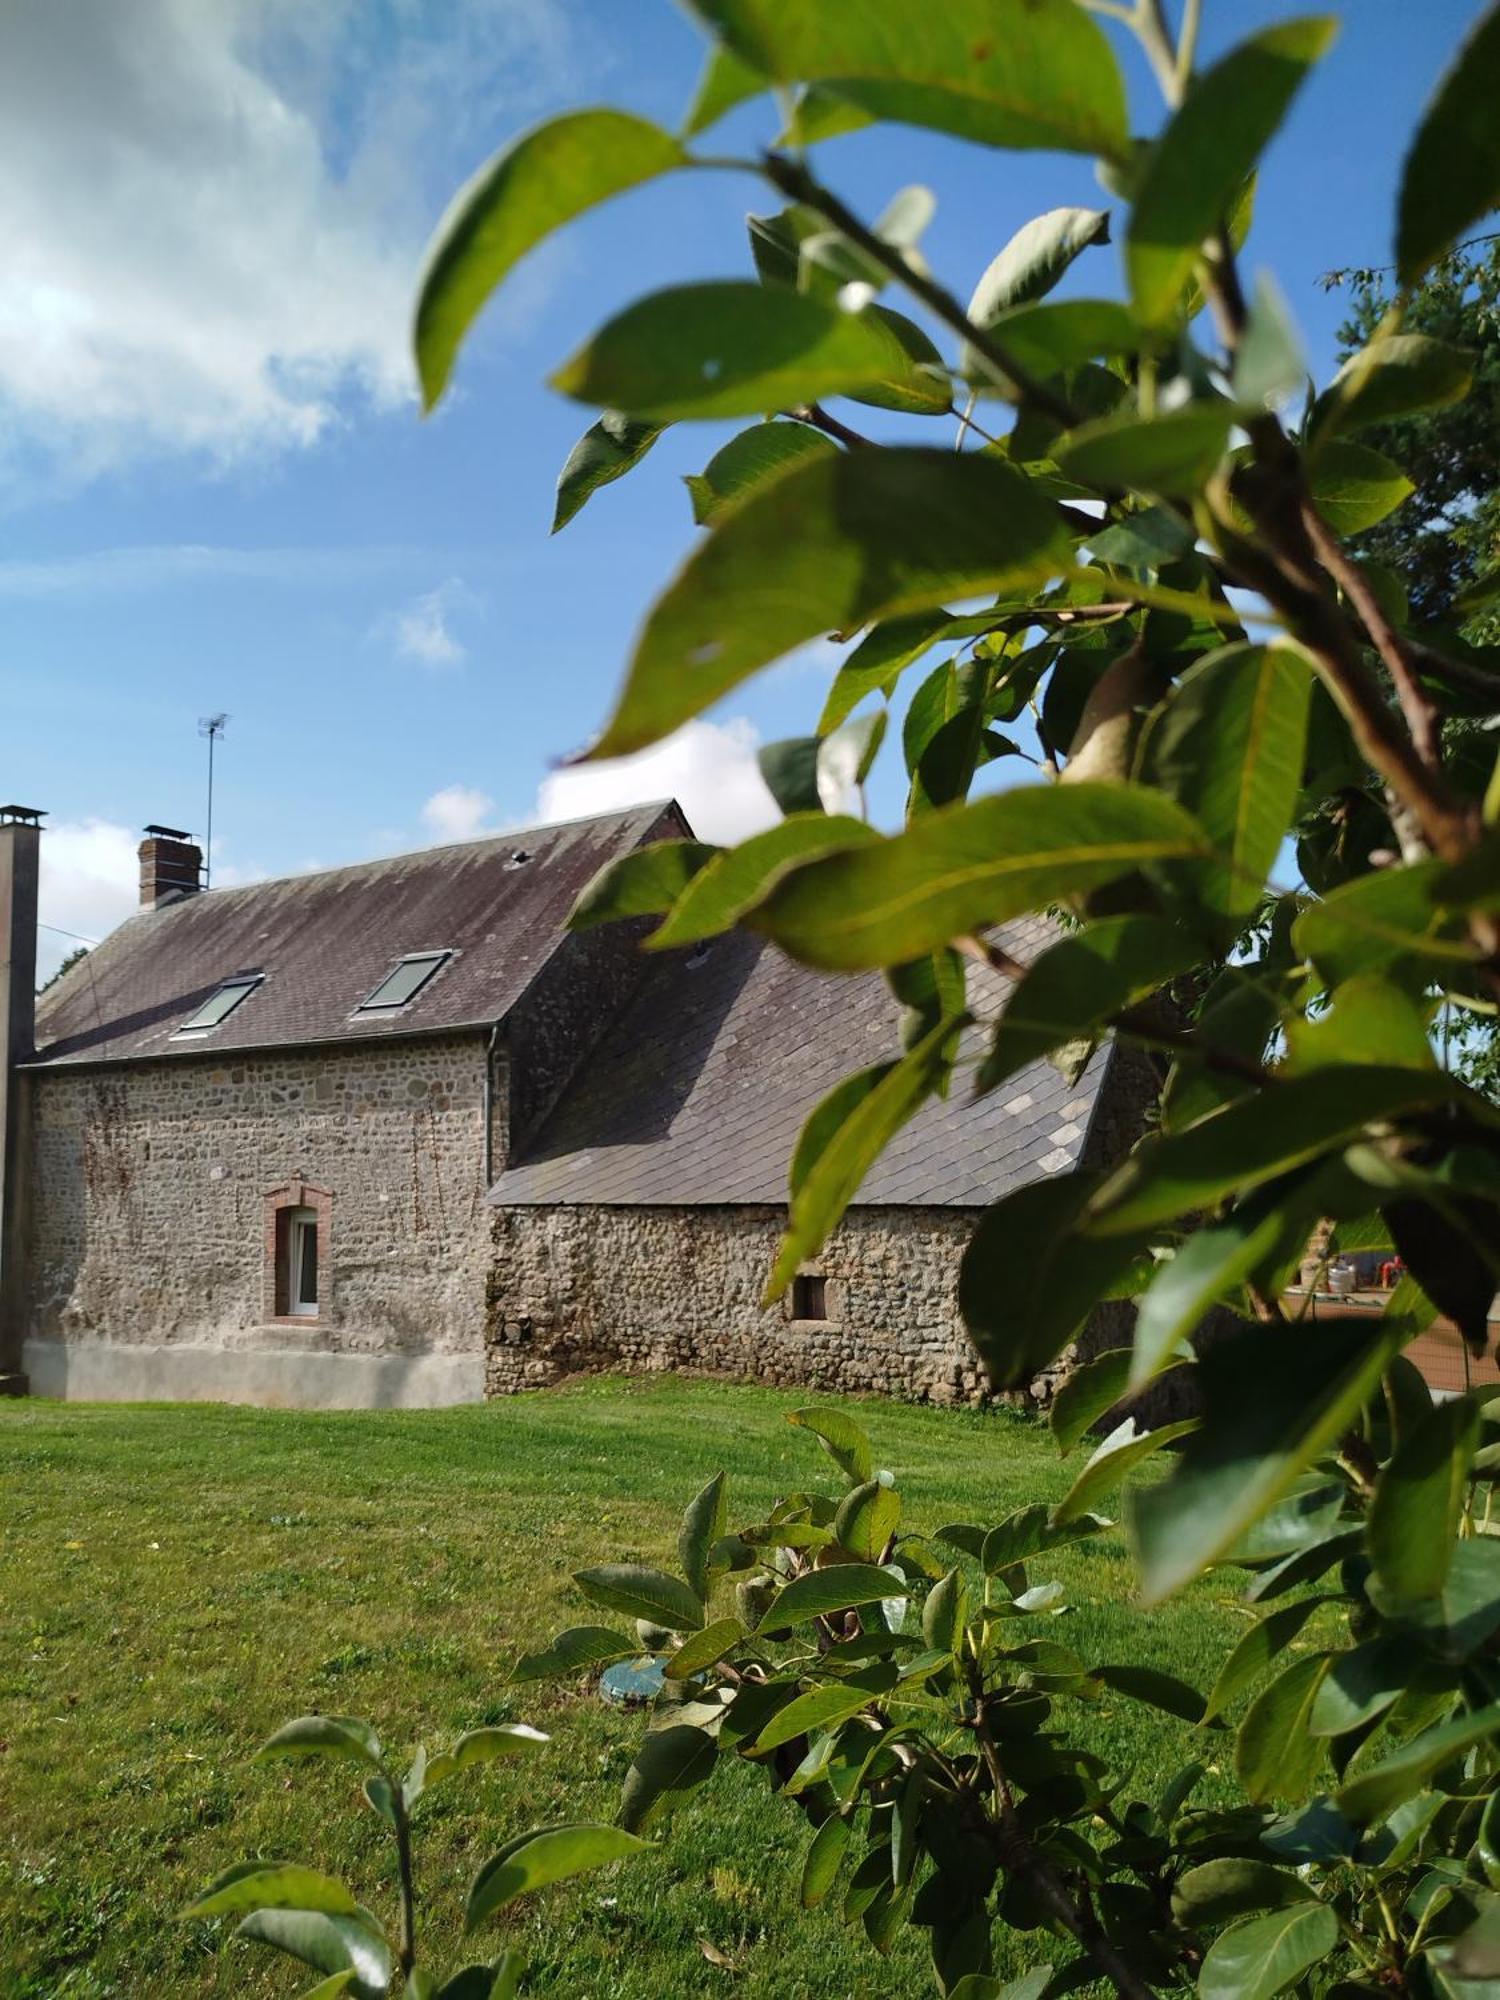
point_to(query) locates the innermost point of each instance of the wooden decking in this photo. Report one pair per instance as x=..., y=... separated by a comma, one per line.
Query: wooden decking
x=1439, y=1353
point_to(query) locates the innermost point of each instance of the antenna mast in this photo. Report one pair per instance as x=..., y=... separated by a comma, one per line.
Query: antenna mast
x=213, y=727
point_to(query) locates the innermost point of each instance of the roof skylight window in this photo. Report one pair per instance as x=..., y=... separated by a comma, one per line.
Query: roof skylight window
x=403, y=982
x=221, y=1003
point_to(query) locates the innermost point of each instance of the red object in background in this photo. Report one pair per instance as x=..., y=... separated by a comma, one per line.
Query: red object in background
x=1390, y=1271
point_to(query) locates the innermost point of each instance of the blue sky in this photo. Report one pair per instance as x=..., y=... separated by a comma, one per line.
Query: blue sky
x=219, y=495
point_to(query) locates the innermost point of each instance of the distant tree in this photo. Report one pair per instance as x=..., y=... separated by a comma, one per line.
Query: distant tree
x=78, y=951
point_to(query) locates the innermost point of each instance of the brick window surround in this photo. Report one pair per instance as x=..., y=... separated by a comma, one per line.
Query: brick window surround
x=278, y=1205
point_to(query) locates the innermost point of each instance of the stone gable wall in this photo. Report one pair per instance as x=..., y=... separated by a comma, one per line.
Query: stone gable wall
x=152, y=1184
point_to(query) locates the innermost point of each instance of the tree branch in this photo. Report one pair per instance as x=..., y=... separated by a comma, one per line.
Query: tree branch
x=818, y=419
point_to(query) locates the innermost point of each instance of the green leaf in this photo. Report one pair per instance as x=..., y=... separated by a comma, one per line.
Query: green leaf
x=830, y=1181
x=1452, y=174
x=1257, y=1138
x=841, y=1437
x=867, y=1519
x=1051, y=339
x=672, y=1761
x=1021, y=1312
x=643, y=883
x=643, y=1593
x=1396, y=375
x=1032, y=262
x=1274, y=1398
x=1143, y=540
x=579, y=1648
x=1121, y=1452
x=735, y=879
x=500, y=1981
x=1255, y=1652
x=1228, y=744
x=725, y=83
x=703, y=1523
x=1086, y=1393
x=325, y=1736
x=1276, y=1756
x=1419, y=1501
x=1041, y=76
x=1156, y=1689
x=945, y=1612
x=826, y=1707
x=750, y=461
x=1214, y=1261
x=330, y=1989
x=1269, y=365
x=1378, y=920
x=1074, y=986
x=917, y=381
x=728, y=350
x=704, y=1649
x=877, y=662
x=1265, y=1955
x=273, y=1885
x=1386, y=1785
x=550, y=1854
x=1195, y=170
x=960, y=869
x=1232, y=1886
x=607, y=450
x=483, y=1746
x=329, y=1944
x=827, y=1851
x=790, y=769
x=540, y=181
x=1368, y=1021
x=849, y=538
x=1362, y=1683
x=846, y=757
x=1171, y=454
x=838, y=1588
x=1354, y=487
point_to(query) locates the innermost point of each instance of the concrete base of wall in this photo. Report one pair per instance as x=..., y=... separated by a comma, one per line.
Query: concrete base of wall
x=98, y=1371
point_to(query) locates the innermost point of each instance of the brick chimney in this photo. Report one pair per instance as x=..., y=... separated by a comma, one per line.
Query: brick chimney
x=171, y=866
x=20, y=842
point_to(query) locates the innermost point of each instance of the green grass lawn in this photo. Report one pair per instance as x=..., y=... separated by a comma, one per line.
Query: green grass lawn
x=176, y=1581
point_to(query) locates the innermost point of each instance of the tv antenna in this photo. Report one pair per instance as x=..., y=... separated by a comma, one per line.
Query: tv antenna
x=213, y=727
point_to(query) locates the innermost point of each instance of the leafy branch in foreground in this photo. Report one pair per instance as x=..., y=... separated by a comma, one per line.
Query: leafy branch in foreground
x=317, y=1920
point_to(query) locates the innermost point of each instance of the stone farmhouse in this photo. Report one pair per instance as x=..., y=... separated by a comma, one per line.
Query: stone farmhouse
x=391, y=1135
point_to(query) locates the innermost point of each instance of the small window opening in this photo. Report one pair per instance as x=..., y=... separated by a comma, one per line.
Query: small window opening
x=519, y=856
x=810, y=1297
x=297, y=1263
x=220, y=1004
x=403, y=982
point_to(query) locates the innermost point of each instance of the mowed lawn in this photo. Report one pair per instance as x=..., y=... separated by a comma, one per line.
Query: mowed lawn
x=177, y=1581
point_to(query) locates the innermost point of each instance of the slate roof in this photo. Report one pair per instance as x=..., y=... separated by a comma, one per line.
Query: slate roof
x=324, y=941
x=697, y=1094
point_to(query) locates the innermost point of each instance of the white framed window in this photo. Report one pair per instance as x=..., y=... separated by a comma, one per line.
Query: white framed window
x=403, y=982
x=299, y=1276
x=220, y=1004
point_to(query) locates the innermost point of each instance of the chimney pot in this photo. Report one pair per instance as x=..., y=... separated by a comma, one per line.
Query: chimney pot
x=171, y=866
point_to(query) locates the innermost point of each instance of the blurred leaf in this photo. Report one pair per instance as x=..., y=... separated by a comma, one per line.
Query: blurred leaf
x=540, y=181
x=1050, y=339
x=1028, y=267
x=580, y=1647
x=672, y=1761
x=727, y=350
x=703, y=1524
x=1169, y=454
x=644, y=882
x=877, y=662
x=945, y=1613
x=329, y=1944
x=483, y=1746
x=841, y=1437
x=1194, y=171
x=1269, y=365
x=1044, y=76
x=849, y=539
x=1156, y=1689
x=1021, y=1311
x=750, y=461
x=550, y=1854
x=1210, y=1265
x=1120, y=1453
x=273, y=1885
x=643, y=1593
x=1369, y=1021
x=1395, y=376
x=790, y=769
x=916, y=382
x=1354, y=487
x=725, y=83
x=736, y=878
x=1419, y=1500
x=1378, y=920
x=1452, y=175
x=1085, y=1393
x=956, y=871
x=1265, y=1955
x=330, y=1989
x=1382, y=1787
x=825, y=1185
x=1362, y=1683
x=705, y=1649
x=1233, y=1886
x=1274, y=1398
x=325, y=1736
x=845, y=757
x=1073, y=987
x=1143, y=540
x=1255, y=1652
x=1275, y=1754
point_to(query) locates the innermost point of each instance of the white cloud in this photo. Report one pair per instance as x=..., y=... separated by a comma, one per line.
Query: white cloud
x=423, y=630
x=90, y=881
x=164, y=565
x=708, y=767
x=458, y=812
x=213, y=214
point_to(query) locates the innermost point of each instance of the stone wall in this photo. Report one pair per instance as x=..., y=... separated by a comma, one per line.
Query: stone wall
x=153, y=1184
x=679, y=1288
